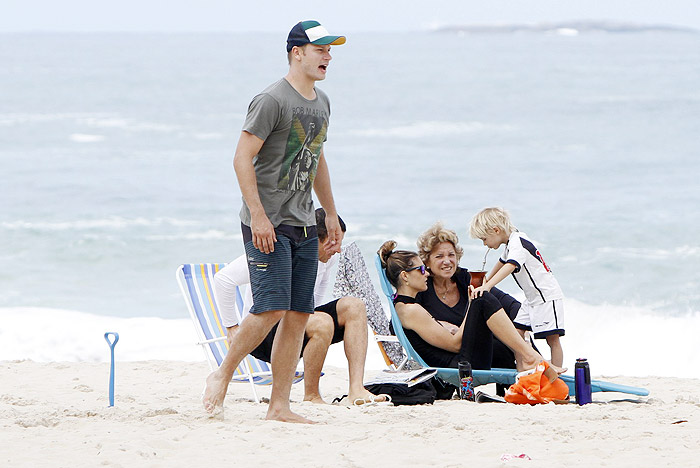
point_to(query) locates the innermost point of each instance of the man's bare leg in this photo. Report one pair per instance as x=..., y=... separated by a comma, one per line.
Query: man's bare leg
x=285, y=355
x=353, y=316
x=253, y=329
x=319, y=331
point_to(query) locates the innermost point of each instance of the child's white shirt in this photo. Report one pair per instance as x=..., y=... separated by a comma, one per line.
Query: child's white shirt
x=531, y=272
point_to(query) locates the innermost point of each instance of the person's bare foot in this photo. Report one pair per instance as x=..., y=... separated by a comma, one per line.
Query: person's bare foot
x=214, y=393
x=367, y=396
x=529, y=362
x=559, y=370
x=553, y=372
x=315, y=398
x=287, y=415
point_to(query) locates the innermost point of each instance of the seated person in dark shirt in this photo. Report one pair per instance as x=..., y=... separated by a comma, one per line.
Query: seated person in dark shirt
x=447, y=295
x=439, y=345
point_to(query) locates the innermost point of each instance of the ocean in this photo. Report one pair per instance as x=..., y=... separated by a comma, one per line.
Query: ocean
x=116, y=153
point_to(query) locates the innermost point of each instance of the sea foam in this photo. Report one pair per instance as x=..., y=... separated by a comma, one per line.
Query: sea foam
x=44, y=335
x=615, y=340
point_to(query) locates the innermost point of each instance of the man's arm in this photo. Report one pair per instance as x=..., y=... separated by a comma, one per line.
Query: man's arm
x=264, y=237
x=232, y=276
x=322, y=187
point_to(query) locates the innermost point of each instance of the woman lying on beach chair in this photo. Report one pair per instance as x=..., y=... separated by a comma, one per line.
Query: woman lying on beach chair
x=447, y=295
x=473, y=340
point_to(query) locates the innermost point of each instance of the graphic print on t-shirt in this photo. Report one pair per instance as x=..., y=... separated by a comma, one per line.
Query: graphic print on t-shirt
x=530, y=247
x=304, y=145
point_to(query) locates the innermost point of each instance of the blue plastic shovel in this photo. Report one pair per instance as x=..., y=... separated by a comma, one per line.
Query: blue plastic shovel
x=111, y=344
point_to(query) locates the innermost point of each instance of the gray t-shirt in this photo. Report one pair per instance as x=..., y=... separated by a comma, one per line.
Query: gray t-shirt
x=293, y=129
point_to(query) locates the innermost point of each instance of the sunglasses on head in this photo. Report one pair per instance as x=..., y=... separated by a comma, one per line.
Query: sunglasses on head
x=419, y=267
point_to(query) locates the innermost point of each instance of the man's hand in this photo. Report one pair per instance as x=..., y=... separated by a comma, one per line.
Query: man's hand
x=330, y=249
x=335, y=234
x=264, y=236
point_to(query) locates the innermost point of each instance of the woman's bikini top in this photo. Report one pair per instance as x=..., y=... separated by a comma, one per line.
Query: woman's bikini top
x=411, y=300
x=405, y=299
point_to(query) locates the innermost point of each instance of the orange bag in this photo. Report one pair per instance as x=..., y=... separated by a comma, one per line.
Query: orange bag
x=533, y=387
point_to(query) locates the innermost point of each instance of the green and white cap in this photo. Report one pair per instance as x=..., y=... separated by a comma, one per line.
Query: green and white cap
x=311, y=32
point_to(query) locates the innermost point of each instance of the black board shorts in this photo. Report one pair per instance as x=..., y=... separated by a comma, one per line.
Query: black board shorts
x=285, y=278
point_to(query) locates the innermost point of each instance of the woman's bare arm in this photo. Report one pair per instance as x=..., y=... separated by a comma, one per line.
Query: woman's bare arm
x=415, y=317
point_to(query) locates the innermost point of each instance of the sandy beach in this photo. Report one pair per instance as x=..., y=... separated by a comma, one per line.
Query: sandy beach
x=57, y=415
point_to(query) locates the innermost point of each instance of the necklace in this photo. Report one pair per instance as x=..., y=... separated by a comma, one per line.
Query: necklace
x=447, y=289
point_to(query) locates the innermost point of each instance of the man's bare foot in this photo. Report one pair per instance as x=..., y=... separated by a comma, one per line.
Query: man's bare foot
x=214, y=393
x=315, y=398
x=286, y=415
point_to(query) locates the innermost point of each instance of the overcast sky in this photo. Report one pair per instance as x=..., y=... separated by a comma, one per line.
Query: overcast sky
x=344, y=17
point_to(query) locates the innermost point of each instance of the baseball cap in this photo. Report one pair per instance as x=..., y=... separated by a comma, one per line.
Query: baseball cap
x=311, y=32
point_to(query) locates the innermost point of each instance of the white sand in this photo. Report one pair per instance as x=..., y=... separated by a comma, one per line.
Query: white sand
x=57, y=415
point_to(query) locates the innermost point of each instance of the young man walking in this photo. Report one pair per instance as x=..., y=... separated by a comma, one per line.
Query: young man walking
x=343, y=319
x=279, y=158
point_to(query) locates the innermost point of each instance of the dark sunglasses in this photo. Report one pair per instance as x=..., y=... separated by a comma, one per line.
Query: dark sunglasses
x=419, y=267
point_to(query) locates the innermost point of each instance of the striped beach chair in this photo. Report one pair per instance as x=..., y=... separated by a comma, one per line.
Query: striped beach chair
x=196, y=282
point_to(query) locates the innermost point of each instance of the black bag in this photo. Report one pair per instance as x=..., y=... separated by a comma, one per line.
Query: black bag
x=444, y=390
x=402, y=394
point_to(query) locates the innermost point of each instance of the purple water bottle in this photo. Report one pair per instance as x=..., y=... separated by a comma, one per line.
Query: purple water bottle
x=582, y=379
x=466, y=381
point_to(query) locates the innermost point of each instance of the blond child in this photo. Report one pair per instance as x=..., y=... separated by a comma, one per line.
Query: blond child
x=542, y=312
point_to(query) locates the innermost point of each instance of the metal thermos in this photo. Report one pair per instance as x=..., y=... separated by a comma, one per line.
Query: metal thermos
x=582, y=379
x=466, y=381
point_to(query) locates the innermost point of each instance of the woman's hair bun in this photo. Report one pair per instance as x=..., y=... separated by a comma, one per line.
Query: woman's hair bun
x=385, y=251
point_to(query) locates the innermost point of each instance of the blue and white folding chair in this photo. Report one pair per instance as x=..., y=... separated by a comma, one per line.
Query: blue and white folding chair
x=197, y=285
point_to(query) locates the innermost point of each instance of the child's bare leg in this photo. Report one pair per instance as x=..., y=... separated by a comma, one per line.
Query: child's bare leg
x=556, y=350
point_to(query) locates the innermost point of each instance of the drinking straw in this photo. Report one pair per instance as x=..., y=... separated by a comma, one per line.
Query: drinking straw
x=483, y=265
x=111, y=368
